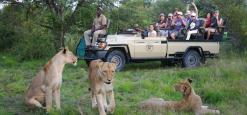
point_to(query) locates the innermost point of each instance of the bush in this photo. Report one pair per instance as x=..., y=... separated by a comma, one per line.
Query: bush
x=34, y=42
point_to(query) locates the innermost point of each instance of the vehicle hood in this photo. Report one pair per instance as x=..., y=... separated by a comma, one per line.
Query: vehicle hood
x=121, y=39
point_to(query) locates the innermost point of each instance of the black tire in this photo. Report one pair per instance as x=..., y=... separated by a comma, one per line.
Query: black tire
x=191, y=59
x=117, y=57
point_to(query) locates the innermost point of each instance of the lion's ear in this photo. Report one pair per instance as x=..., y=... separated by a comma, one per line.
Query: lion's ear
x=99, y=63
x=189, y=80
x=114, y=65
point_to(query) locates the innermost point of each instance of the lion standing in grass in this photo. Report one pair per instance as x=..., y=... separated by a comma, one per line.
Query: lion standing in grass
x=47, y=83
x=101, y=76
x=190, y=102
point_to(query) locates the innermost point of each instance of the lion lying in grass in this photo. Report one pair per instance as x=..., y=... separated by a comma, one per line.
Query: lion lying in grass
x=190, y=101
x=47, y=83
x=101, y=76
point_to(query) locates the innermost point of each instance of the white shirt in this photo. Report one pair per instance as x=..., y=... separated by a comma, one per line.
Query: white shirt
x=152, y=33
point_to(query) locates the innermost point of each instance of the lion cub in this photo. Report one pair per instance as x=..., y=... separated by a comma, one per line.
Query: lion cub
x=190, y=102
x=47, y=83
x=101, y=76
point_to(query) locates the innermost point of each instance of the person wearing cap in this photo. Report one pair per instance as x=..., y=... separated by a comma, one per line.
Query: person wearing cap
x=179, y=23
x=192, y=8
x=169, y=26
x=193, y=25
x=137, y=28
x=216, y=21
x=161, y=25
x=99, y=27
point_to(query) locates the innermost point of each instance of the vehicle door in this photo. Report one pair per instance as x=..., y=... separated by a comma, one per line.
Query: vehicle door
x=149, y=48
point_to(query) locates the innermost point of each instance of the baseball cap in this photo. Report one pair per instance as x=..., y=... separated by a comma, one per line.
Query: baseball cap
x=180, y=13
x=162, y=14
x=170, y=14
x=193, y=14
x=187, y=13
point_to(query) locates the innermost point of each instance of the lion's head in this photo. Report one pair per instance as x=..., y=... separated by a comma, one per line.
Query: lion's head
x=106, y=71
x=69, y=57
x=184, y=87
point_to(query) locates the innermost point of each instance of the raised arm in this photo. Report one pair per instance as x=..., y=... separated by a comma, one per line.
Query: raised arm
x=195, y=8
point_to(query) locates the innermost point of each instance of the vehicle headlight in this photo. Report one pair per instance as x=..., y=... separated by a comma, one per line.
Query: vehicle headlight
x=102, y=45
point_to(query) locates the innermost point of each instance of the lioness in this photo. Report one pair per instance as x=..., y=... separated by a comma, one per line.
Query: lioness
x=101, y=76
x=190, y=101
x=48, y=81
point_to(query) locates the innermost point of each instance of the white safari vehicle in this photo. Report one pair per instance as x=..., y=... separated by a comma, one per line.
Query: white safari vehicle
x=128, y=48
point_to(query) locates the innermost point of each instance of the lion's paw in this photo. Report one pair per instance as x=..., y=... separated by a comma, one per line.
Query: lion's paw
x=110, y=109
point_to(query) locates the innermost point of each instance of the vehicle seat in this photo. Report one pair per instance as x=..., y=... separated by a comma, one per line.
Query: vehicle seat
x=218, y=35
x=181, y=34
x=201, y=30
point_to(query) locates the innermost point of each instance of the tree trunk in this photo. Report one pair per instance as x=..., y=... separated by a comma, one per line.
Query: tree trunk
x=59, y=37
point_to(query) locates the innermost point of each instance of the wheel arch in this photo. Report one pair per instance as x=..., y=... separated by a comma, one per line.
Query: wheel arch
x=197, y=49
x=180, y=55
x=123, y=49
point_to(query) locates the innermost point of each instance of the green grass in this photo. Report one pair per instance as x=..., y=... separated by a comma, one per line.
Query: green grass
x=220, y=82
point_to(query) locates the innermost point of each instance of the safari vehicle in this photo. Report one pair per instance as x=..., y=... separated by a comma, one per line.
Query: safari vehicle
x=129, y=47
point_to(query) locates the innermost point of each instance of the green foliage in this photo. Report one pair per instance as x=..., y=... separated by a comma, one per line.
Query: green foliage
x=22, y=37
x=130, y=13
x=9, y=26
x=168, y=6
x=34, y=42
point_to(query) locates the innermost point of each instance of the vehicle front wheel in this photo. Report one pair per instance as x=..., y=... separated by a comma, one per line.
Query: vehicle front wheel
x=191, y=59
x=117, y=57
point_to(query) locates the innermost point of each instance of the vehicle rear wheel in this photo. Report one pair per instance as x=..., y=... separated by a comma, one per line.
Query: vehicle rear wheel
x=117, y=57
x=191, y=59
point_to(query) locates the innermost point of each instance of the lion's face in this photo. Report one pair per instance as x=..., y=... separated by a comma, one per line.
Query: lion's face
x=69, y=57
x=184, y=86
x=107, y=72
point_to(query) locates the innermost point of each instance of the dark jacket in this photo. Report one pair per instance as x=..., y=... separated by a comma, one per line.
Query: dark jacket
x=196, y=25
x=214, y=23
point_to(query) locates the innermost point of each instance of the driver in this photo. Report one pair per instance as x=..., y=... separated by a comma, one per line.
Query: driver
x=99, y=27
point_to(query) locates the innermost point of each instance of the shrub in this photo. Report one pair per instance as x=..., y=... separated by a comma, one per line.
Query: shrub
x=34, y=42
